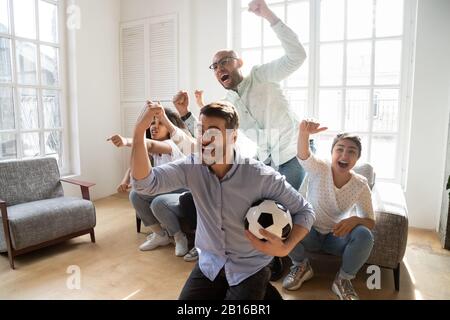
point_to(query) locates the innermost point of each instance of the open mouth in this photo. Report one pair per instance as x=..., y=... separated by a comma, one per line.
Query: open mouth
x=225, y=79
x=343, y=164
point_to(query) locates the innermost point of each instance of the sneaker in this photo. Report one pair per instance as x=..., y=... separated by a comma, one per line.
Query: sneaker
x=154, y=240
x=343, y=289
x=298, y=275
x=181, y=246
x=192, y=255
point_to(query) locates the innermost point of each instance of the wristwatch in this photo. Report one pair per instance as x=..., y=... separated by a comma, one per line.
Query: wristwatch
x=186, y=116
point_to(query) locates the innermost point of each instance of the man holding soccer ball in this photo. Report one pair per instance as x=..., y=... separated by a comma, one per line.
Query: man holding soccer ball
x=232, y=262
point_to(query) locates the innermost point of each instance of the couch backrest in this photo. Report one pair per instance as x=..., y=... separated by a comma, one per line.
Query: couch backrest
x=366, y=170
x=29, y=180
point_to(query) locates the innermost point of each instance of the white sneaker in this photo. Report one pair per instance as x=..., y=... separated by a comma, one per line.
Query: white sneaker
x=192, y=255
x=154, y=240
x=343, y=288
x=181, y=246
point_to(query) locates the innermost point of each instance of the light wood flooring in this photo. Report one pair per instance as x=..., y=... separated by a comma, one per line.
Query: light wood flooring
x=114, y=268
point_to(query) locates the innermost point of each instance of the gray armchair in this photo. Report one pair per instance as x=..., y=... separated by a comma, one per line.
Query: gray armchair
x=35, y=212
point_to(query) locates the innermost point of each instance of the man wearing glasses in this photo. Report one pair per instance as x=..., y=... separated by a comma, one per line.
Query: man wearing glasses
x=259, y=98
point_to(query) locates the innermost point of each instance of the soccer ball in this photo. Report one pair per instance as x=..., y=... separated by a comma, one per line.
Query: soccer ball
x=269, y=215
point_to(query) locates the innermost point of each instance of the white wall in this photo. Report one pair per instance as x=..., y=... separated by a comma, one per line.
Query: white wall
x=209, y=35
x=94, y=96
x=202, y=31
x=430, y=114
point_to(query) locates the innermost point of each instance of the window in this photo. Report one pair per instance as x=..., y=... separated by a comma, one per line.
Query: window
x=31, y=94
x=353, y=79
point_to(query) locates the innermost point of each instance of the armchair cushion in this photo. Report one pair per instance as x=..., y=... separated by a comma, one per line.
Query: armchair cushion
x=35, y=222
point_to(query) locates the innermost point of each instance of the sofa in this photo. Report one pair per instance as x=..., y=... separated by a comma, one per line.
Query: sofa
x=35, y=213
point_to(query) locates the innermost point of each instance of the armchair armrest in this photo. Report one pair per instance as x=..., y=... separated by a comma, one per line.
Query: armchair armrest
x=391, y=225
x=6, y=231
x=3, y=210
x=83, y=185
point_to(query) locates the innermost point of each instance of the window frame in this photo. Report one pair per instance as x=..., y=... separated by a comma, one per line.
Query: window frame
x=313, y=88
x=60, y=88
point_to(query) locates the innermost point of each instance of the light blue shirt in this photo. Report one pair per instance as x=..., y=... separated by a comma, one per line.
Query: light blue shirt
x=221, y=209
x=264, y=111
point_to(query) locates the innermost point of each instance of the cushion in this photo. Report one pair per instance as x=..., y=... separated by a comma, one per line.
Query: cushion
x=35, y=222
x=29, y=180
x=366, y=170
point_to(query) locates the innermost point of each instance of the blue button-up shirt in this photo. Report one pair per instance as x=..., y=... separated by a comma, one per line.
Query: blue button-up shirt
x=221, y=209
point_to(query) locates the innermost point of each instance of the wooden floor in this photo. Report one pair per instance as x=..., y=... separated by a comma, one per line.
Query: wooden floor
x=114, y=268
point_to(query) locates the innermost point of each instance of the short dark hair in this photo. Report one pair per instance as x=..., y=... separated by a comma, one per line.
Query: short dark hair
x=348, y=136
x=223, y=110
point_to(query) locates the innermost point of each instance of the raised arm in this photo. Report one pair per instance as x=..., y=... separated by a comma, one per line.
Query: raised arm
x=295, y=54
x=260, y=8
x=181, y=103
x=199, y=98
x=306, y=128
x=183, y=139
x=140, y=162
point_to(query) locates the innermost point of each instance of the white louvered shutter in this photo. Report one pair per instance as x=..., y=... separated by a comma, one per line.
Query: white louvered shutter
x=132, y=40
x=163, y=59
x=149, y=67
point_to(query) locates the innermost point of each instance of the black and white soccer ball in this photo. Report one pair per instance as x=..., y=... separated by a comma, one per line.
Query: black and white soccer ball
x=269, y=215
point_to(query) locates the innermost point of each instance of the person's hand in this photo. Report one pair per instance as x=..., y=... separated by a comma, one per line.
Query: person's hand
x=152, y=110
x=311, y=127
x=118, y=140
x=260, y=8
x=199, y=98
x=274, y=246
x=181, y=102
x=345, y=226
x=123, y=187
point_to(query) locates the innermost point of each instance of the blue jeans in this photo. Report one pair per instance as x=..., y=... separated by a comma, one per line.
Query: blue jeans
x=158, y=209
x=166, y=208
x=292, y=170
x=354, y=248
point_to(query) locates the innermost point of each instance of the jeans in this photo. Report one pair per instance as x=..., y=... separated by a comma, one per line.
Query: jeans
x=145, y=210
x=141, y=204
x=166, y=209
x=199, y=287
x=292, y=170
x=354, y=248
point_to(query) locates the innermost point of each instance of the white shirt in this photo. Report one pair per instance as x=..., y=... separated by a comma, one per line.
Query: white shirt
x=332, y=204
x=159, y=159
x=264, y=112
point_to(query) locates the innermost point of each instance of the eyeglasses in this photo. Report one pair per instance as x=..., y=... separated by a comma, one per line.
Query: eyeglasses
x=222, y=62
